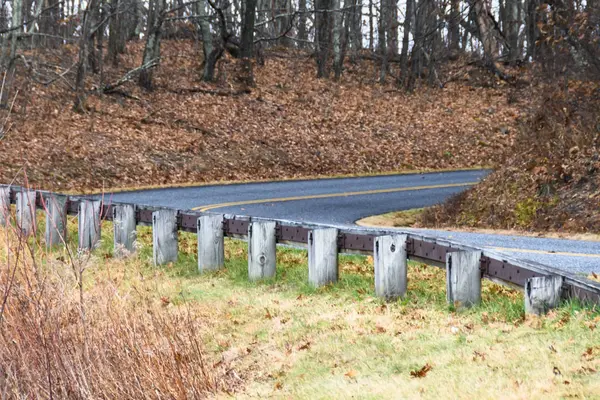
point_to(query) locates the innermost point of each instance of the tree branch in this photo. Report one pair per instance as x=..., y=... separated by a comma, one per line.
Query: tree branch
x=110, y=87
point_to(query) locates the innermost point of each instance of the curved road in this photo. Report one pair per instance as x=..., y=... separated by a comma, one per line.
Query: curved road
x=342, y=201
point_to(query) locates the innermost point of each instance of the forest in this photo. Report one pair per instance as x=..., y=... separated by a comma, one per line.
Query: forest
x=409, y=42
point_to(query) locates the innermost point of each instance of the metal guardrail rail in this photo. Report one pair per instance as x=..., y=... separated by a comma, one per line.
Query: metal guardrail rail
x=495, y=266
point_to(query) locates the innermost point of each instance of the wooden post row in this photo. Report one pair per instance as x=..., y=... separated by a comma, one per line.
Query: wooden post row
x=26, y=212
x=262, y=256
x=164, y=236
x=323, y=256
x=211, y=246
x=542, y=293
x=390, y=261
x=4, y=205
x=124, y=229
x=89, y=224
x=463, y=278
x=56, y=219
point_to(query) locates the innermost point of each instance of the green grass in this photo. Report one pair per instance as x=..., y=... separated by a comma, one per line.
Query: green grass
x=284, y=338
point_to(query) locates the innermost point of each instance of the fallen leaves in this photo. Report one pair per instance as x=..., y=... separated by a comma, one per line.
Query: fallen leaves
x=422, y=372
x=268, y=314
x=291, y=125
x=304, y=346
x=352, y=374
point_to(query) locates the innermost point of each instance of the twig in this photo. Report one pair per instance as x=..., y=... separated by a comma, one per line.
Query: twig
x=110, y=87
x=211, y=91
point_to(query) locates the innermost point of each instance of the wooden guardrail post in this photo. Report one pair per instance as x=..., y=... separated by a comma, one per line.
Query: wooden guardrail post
x=4, y=205
x=390, y=260
x=323, y=256
x=542, y=293
x=262, y=256
x=56, y=219
x=164, y=236
x=89, y=223
x=124, y=229
x=26, y=211
x=463, y=278
x=211, y=249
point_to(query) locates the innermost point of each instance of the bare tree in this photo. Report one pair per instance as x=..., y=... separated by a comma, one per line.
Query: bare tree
x=87, y=30
x=152, y=48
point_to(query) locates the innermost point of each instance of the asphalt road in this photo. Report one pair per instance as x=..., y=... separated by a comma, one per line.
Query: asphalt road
x=342, y=201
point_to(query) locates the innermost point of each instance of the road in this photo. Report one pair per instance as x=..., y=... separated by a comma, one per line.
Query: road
x=342, y=201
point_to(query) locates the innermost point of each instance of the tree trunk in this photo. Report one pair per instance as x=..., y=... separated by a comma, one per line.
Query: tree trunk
x=356, y=26
x=218, y=48
x=116, y=38
x=229, y=13
x=247, y=39
x=405, y=37
x=283, y=22
x=512, y=28
x=34, y=27
x=532, y=29
x=100, y=40
x=302, y=30
x=371, y=26
x=337, y=39
x=487, y=30
x=391, y=24
x=83, y=57
x=16, y=24
x=247, y=42
x=381, y=39
x=416, y=57
x=323, y=36
x=204, y=28
x=152, y=48
x=94, y=19
x=454, y=26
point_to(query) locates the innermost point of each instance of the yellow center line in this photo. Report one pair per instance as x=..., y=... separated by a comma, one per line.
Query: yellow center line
x=560, y=253
x=329, y=195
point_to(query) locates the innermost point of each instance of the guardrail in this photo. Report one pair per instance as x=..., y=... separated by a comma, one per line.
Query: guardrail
x=465, y=265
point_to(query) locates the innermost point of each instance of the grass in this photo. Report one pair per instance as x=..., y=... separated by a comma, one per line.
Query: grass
x=414, y=218
x=283, y=338
x=403, y=218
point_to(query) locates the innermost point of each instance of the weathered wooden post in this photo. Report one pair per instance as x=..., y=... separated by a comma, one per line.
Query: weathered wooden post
x=542, y=293
x=124, y=229
x=56, y=219
x=26, y=211
x=389, y=257
x=323, y=256
x=89, y=223
x=211, y=247
x=262, y=256
x=164, y=236
x=4, y=205
x=463, y=278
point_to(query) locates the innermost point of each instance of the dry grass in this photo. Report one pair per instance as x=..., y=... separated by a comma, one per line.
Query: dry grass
x=106, y=340
x=403, y=218
x=412, y=218
x=170, y=332
x=551, y=179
